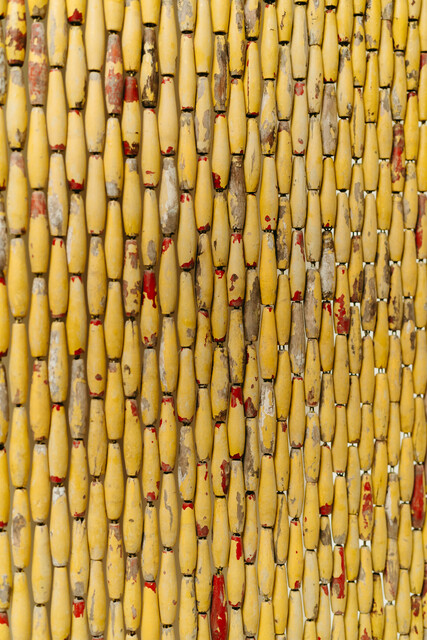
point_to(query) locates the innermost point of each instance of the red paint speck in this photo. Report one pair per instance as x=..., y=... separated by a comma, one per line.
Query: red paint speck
x=238, y=541
x=131, y=89
x=326, y=509
x=225, y=475
x=78, y=608
x=149, y=287
x=166, y=244
x=76, y=17
x=236, y=396
x=338, y=582
x=202, y=532
x=216, y=180
x=343, y=319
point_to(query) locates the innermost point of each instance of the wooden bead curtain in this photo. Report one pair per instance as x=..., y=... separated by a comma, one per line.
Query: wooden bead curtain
x=213, y=307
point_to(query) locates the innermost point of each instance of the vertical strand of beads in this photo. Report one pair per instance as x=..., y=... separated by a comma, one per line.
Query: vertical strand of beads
x=5, y=552
x=365, y=69
x=350, y=105
x=190, y=484
x=315, y=595
x=392, y=223
x=112, y=381
x=341, y=379
x=76, y=322
x=413, y=287
x=297, y=340
x=168, y=352
x=211, y=95
x=246, y=165
x=217, y=101
x=57, y=206
x=5, y=556
x=95, y=222
x=268, y=214
x=382, y=276
x=325, y=207
x=38, y=165
x=245, y=147
x=420, y=311
x=400, y=590
x=364, y=78
x=228, y=171
x=236, y=275
x=403, y=185
x=149, y=321
x=232, y=175
x=284, y=91
x=132, y=287
x=168, y=507
x=203, y=427
x=18, y=297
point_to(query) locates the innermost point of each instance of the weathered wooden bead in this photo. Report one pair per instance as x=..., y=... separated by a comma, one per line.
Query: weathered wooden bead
x=20, y=615
x=59, y=531
x=79, y=559
x=16, y=33
x=150, y=152
x=168, y=589
x=39, y=487
x=97, y=438
x=58, y=445
x=236, y=502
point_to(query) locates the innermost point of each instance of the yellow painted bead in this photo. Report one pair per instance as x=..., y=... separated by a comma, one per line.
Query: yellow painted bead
x=20, y=615
x=150, y=465
x=96, y=522
x=202, y=38
x=187, y=543
x=78, y=481
x=16, y=32
x=150, y=548
x=132, y=516
x=79, y=559
x=94, y=113
x=59, y=531
x=6, y=578
x=168, y=511
x=132, y=595
x=168, y=43
x=168, y=356
x=58, y=443
x=96, y=595
x=40, y=401
x=18, y=367
x=188, y=611
x=39, y=486
x=168, y=588
x=58, y=279
x=41, y=574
